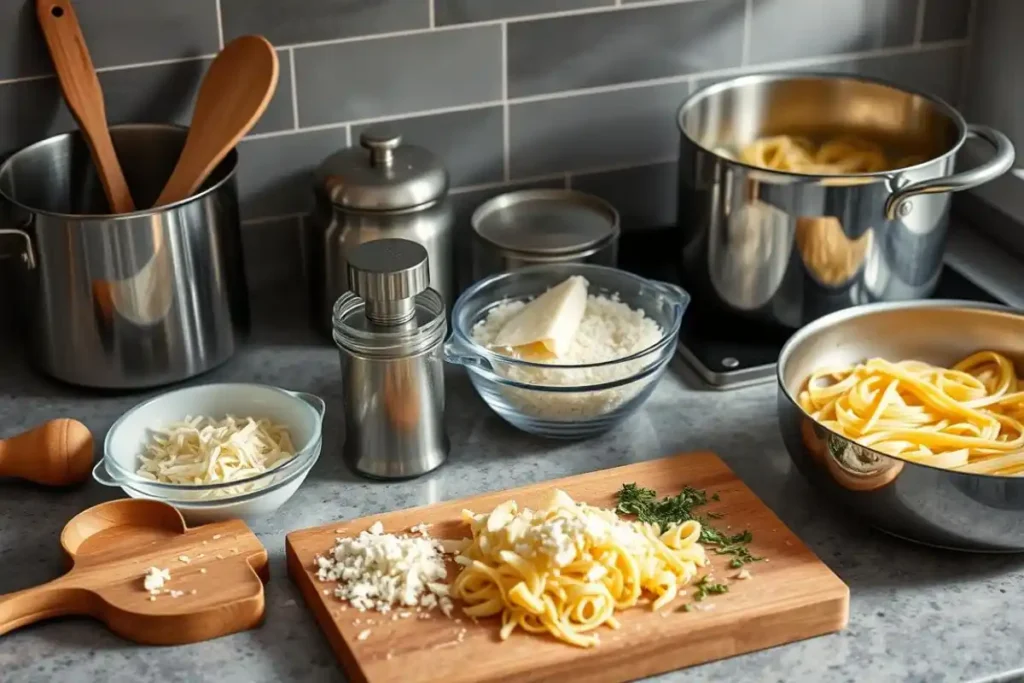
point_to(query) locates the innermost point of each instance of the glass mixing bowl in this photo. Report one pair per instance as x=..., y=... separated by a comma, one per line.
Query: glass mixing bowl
x=565, y=401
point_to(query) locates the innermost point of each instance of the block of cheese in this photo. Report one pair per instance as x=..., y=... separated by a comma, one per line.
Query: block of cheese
x=546, y=326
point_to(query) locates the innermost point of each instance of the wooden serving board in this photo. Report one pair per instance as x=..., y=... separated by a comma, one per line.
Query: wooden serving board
x=217, y=575
x=790, y=596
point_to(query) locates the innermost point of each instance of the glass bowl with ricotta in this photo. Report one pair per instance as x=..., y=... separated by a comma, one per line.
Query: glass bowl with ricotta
x=559, y=363
x=216, y=451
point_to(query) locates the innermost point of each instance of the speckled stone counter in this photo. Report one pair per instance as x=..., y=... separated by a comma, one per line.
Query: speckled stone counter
x=916, y=614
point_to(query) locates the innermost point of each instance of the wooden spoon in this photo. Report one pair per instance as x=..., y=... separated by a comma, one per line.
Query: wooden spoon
x=83, y=95
x=234, y=94
x=56, y=453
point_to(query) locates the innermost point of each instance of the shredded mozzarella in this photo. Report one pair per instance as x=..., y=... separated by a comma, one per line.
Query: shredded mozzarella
x=201, y=450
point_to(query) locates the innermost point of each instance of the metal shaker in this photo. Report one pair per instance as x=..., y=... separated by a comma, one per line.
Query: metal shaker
x=382, y=189
x=389, y=329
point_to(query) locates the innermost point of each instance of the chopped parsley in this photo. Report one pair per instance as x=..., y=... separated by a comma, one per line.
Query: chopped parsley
x=645, y=505
x=705, y=587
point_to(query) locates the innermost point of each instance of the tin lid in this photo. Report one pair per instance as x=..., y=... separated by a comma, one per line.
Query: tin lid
x=549, y=222
x=382, y=175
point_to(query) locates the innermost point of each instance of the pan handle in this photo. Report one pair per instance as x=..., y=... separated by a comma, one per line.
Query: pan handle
x=27, y=256
x=898, y=206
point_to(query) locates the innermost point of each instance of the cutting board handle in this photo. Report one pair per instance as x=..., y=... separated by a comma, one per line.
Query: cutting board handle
x=54, y=599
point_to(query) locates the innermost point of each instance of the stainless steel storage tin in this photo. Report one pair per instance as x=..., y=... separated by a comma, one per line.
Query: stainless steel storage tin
x=759, y=242
x=538, y=227
x=385, y=190
x=122, y=301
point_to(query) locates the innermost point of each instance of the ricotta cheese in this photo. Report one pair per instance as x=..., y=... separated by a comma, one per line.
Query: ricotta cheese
x=155, y=578
x=379, y=571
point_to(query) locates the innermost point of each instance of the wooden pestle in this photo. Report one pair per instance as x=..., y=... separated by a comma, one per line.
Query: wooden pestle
x=56, y=453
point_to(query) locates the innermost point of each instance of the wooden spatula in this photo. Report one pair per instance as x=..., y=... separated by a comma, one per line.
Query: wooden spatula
x=83, y=95
x=234, y=94
x=56, y=453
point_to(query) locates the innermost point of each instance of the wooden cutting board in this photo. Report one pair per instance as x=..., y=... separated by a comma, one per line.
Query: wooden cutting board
x=790, y=596
x=216, y=587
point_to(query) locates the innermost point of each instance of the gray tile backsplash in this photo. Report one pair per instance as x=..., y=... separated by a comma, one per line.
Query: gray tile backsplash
x=285, y=22
x=364, y=79
x=587, y=50
x=509, y=93
x=618, y=128
x=118, y=32
x=470, y=142
x=798, y=29
x=946, y=20
x=467, y=11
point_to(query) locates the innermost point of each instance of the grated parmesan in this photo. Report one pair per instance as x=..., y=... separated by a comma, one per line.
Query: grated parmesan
x=610, y=330
x=201, y=450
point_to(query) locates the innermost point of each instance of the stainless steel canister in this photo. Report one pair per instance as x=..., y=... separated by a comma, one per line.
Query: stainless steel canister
x=389, y=330
x=384, y=190
x=535, y=227
x=789, y=247
x=123, y=301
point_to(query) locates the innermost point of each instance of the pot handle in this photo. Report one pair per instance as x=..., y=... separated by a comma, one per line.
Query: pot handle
x=27, y=256
x=898, y=203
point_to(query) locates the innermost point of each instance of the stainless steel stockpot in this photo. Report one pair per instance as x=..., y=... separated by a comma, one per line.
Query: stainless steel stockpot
x=131, y=300
x=789, y=247
x=911, y=500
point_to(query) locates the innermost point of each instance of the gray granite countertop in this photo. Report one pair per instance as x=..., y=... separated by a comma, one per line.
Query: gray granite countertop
x=916, y=614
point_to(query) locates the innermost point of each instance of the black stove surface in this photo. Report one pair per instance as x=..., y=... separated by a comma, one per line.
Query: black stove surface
x=725, y=350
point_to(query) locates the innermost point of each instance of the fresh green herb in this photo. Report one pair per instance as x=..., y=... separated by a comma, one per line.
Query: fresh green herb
x=687, y=607
x=645, y=505
x=705, y=587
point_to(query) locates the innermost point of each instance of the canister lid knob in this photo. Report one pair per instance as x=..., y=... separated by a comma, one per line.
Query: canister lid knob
x=382, y=141
x=388, y=274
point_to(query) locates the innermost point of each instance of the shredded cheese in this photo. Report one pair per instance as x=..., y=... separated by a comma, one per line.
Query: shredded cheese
x=201, y=450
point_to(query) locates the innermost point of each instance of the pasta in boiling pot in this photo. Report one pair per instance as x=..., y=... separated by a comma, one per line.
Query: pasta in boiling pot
x=837, y=156
x=968, y=418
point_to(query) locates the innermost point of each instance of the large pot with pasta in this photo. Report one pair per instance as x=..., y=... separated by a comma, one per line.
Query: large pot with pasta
x=805, y=194
x=915, y=429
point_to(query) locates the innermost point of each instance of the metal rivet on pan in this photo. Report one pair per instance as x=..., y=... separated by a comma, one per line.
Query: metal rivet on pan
x=730, y=362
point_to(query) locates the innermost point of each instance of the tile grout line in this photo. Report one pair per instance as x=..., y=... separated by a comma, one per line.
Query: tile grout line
x=617, y=87
x=506, y=146
x=748, y=20
x=348, y=135
x=968, y=60
x=295, y=88
x=432, y=19
x=568, y=181
x=922, y=7
x=220, y=25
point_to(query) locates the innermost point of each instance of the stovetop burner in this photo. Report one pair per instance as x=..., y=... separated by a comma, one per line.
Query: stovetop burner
x=724, y=350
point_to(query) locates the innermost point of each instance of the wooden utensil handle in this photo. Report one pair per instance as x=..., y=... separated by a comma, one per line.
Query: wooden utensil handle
x=56, y=453
x=81, y=88
x=50, y=600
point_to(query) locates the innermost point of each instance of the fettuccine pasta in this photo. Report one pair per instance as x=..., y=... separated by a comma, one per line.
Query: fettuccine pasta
x=968, y=418
x=837, y=156
x=566, y=569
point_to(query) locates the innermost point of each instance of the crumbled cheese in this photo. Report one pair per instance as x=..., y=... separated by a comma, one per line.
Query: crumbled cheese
x=378, y=571
x=152, y=598
x=216, y=537
x=177, y=594
x=203, y=570
x=364, y=634
x=154, y=579
x=184, y=559
x=420, y=529
x=193, y=591
x=610, y=330
x=742, y=574
x=201, y=450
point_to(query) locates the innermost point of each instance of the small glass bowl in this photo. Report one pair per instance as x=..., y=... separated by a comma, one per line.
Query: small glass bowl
x=246, y=498
x=569, y=403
